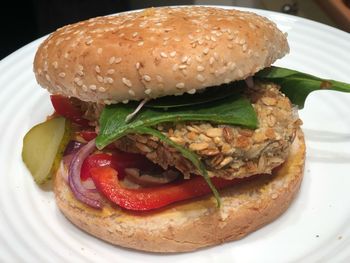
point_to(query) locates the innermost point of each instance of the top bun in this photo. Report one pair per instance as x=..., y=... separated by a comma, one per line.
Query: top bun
x=156, y=52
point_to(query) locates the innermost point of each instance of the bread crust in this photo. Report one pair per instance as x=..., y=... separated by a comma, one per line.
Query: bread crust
x=194, y=224
x=156, y=52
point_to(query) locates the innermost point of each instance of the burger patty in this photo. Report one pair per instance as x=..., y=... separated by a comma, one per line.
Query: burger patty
x=227, y=151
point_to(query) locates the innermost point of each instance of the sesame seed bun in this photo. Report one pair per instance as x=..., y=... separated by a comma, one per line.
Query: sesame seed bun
x=156, y=52
x=193, y=224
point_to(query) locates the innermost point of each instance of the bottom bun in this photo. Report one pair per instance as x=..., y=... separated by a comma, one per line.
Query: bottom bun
x=193, y=224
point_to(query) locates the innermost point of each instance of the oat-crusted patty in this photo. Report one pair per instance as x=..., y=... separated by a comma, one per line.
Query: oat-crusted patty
x=228, y=151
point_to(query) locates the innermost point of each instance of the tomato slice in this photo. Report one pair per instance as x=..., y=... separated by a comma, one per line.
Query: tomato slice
x=107, y=182
x=65, y=107
x=117, y=160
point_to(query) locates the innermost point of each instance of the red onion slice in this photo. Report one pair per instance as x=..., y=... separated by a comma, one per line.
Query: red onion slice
x=88, y=196
x=72, y=147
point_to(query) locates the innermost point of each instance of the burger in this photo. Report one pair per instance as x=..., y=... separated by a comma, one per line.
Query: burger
x=176, y=134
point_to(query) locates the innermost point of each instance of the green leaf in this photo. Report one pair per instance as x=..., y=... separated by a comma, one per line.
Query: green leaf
x=233, y=110
x=208, y=95
x=297, y=85
x=186, y=153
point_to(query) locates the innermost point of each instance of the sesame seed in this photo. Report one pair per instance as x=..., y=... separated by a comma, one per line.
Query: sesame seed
x=213, y=38
x=173, y=54
x=110, y=71
x=230, y=37
x=216, y=56
x=242, y=41
x=177, y=39
x=111, y=60
x=200, y=68
x=163, y=54
x=135, y=34
x=66, y=55
x=80, y=82
x=175, y=67
x=80, y=67
x=117, y=60
x=159, y=78
x=191, y=91
x=89, y=41
x=98, y=69
x=137, y=65
x=109, y=80
x=131, y=92
x=99, y=50
x=76, y=79
x=188, y=62
x=240, y=73
x=148, y=91
x=206, y=50
x=47, y=77
x=61, y=74
x=244, y=48
x=180, y=85
x=127, y=82
x=230, y=46
x=101, y=89
x=92, y=87
x=125, y=101
x=99, y=78
x=200, y=77
x=55, y=64
x=80, y=73
x=211, y=60
x=231, y=65
x=184, y=59
x=140, y=43
x=182, y=66
x=146, y=78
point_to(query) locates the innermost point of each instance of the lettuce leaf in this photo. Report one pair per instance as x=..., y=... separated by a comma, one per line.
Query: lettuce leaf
x=297, y=85
x=233, y=110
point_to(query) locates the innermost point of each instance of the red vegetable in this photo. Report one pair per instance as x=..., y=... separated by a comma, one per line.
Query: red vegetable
x=65, y=107
x=88, y=135
x=88, y=196
x=117, y=160
x=107, y=182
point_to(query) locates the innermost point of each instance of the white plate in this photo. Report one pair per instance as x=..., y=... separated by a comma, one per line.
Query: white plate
x=316, y=227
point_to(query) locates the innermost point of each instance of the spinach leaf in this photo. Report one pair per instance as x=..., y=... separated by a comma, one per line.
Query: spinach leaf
x=297, y=85
x=186, y=153
x=234, y=110
x=208, y=95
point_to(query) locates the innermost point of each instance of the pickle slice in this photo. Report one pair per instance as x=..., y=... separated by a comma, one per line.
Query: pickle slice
x=43, y=147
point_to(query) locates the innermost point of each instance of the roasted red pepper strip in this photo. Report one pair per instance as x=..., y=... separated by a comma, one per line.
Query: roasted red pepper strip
x=96, y=160
x=88, y=135
x=106, y=181
x=66, y=108
x=117, y=160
